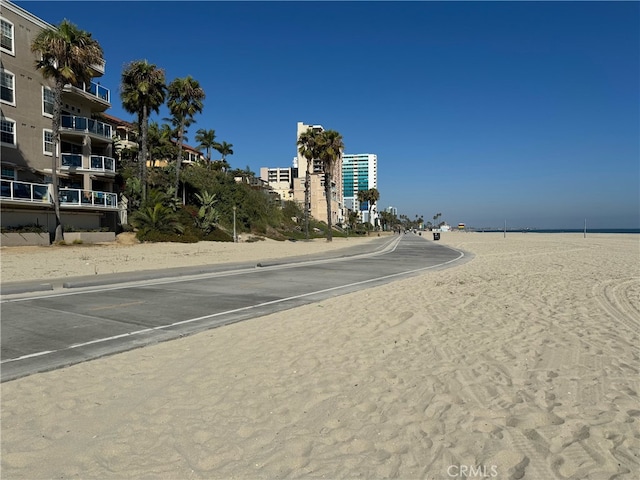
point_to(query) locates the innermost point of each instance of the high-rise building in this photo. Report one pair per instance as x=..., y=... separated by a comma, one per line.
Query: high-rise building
x=359, y=173
x=86, y=168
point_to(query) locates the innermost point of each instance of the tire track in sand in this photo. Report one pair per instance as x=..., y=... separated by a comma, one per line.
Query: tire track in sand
x=614, y=296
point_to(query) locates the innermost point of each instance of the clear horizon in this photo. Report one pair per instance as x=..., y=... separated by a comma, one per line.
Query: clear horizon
x=524, y=112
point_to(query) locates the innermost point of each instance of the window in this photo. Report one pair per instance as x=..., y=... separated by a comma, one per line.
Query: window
x=47, y=102
x=47, y=139
x=6, y=40
x=8, y=131
x=8, y=173
x=7, y=87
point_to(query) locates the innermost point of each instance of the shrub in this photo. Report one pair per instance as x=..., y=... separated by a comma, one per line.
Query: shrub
x=218, y=235
x=157, y=236
x=156, y=218
x=31, y=228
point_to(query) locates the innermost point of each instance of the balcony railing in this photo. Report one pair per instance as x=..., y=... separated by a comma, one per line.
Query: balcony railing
x=24, y=191
x=99, y=91
x=96, y=162
x=105, y=164
x=86, y=125
x=87, y=198
x=90, y=89
x=39, y=193
x=71, y=160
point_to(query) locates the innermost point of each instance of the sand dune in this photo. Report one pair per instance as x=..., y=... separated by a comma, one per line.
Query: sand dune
x=522, y=363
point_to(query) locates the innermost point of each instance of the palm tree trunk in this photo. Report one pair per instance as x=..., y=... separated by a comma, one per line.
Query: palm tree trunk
x=57, y=115
x=327, y=194
x=307, y=199
x=144, y=152
x=179, y=161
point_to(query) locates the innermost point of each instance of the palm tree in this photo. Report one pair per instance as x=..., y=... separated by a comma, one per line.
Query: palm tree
x=207, y=140
x=224, y=149
x=185, y=100
x=156, y=217
x=363, y=196
x=161, y=146
x=374, y=196
x=330, y=150
x=308, y=148
x=66, y=56
x=142, y=91
x=353, y=219
x=370, y=196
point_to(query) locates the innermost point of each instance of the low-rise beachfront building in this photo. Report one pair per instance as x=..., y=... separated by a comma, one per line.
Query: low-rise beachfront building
x=86, y=168
x=125, y=134
x=359, y=173
x=190, y=155
x=280, y=180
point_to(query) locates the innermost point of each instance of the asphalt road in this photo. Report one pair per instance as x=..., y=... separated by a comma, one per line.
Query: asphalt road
x=87, y=318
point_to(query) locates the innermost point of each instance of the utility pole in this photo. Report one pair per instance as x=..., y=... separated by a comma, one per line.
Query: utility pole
x=235, y=237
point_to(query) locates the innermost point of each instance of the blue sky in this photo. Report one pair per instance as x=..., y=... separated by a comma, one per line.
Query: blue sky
x=524, y=112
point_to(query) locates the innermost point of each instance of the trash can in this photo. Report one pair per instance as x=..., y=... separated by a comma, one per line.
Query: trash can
x=436, y=235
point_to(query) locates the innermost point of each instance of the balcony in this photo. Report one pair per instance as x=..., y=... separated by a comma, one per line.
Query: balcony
x=97, y=163
x=24, y=191
x=103, y=164
x=75, y=197
x=99, y=67
x=99, y=91
x=85, y=125
x=71, y=160
x=92, y=91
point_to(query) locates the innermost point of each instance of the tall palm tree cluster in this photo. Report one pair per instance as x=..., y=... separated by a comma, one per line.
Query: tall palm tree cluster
x=326, y=146
x=144, y=90
x=207, y=141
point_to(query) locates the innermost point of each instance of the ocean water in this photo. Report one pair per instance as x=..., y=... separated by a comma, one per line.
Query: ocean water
x=558, y=230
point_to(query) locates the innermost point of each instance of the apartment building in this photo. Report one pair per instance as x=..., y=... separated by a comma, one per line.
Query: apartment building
x=190, y=155
x=359, y=173
x=86, y=166
x=318, y=202
x=125, y=134
x=280, y=180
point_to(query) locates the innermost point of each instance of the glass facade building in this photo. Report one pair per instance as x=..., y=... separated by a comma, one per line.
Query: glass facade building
x=359, y=173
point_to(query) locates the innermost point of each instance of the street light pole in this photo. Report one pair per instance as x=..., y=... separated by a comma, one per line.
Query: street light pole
x=235, y=237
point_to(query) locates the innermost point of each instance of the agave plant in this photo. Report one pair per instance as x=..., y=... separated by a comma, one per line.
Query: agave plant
x=208, y=216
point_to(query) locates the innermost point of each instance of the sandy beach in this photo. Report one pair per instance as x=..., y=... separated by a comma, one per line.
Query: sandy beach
x=522, y=363
x=128, y=255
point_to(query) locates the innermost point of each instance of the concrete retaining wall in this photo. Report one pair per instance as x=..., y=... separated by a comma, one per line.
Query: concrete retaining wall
x=24, y=239
x=89, y=237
